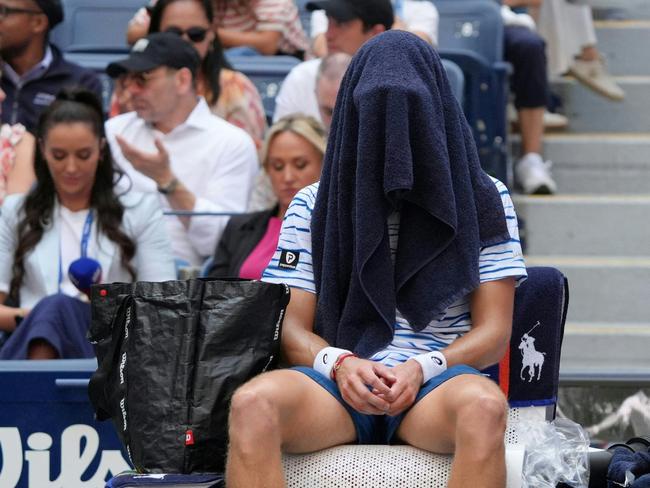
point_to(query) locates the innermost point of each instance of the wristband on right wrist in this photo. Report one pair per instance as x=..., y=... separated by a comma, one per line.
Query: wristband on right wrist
x=433, y=363
x=326, y=359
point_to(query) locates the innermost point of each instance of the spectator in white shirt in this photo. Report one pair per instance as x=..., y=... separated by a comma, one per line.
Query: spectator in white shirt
x=173, y=144
x=350, y=24
x=419, y=17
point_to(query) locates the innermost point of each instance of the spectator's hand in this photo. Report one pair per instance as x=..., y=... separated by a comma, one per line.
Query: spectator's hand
x=357, y=377
x=154, y=165
x=408, y=380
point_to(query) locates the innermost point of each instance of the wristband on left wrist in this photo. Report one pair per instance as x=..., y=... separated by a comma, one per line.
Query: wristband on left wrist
x=433, y=363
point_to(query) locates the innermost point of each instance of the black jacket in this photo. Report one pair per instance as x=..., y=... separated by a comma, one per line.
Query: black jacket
x=238, y=240
x=24, y=104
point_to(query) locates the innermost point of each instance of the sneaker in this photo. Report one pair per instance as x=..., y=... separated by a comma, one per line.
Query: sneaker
x=533, y=175
x=594, y=75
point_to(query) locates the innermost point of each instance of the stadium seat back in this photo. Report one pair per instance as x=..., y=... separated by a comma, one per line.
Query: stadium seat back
x=266, y=73
x=95, y=25
x=456, y=79
x=474, y=25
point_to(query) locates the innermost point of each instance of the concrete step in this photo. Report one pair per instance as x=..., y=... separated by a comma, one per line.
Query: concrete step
x=590, y=112
x=624, y=45
x=609, y=347
x=597, y=163
x=620, y=9
x=586, y=225
x=603, y=289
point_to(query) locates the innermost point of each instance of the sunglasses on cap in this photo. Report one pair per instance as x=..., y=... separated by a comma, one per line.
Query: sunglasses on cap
x=194, y=34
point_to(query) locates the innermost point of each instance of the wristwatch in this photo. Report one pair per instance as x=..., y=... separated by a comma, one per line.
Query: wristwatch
x=170, y=187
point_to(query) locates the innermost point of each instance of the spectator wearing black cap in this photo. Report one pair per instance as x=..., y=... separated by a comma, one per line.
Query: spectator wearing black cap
x=420, y=18
x=34, y=70
x=353, y=22
x=174, y=145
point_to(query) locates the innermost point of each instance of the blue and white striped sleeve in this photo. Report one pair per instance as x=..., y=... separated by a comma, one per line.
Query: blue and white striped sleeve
x=504, y=259
x=291, y=262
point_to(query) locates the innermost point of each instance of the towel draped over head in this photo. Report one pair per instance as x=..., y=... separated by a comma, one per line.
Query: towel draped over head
x=398, y=141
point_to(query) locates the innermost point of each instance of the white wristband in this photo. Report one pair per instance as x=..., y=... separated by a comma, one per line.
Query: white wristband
x=326, y=359
x=433, y=363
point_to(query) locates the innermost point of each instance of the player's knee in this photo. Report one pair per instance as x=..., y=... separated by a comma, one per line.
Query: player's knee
x=484, y=418
x=252, y=414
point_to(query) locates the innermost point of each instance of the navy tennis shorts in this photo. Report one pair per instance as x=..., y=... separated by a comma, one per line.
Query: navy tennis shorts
x=380, y=429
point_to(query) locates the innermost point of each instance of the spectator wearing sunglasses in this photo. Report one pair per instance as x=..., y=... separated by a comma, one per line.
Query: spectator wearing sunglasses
x=34, y=69
x=247, y=27
x=230, y=94
x=174, y=146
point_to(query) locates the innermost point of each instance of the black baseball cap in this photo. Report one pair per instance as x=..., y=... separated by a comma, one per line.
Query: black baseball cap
x=52, y=9
x=157, y=49
x=370, y=12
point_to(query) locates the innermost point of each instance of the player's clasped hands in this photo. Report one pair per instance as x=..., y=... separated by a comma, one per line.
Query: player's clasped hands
x=373, y=388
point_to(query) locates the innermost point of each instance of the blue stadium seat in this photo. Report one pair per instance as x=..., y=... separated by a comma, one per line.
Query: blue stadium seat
x=267, y=73
x=95, y=25
x=471, y=35
x=456, y=79
x=97, y=62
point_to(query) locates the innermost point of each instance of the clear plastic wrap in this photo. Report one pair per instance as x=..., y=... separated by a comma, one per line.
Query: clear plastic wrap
x=556, y=452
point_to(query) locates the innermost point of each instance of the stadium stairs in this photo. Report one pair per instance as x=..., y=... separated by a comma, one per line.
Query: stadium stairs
x=596, y=230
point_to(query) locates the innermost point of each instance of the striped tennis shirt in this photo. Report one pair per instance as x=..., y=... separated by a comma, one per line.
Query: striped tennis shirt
x=292, y=264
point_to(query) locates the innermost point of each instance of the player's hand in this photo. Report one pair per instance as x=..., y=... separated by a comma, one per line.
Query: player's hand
x=405, y=388
x=362, y=382
x=154, y=165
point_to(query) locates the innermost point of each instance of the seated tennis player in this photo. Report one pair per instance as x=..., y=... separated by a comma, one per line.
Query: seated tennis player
x=402, y=263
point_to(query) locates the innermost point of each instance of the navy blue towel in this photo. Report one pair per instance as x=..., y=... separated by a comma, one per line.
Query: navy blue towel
x=398, y=141
x=623, y=460
x=537, y=331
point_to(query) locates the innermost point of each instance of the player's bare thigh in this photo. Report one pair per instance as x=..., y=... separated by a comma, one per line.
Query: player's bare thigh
x=310, y=418
x=431, y=423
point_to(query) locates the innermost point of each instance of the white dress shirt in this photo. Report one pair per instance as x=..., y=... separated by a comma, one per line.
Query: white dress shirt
x=215, y=160
x=298, y=91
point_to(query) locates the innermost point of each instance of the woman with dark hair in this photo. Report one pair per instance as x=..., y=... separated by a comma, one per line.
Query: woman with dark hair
x=230, y=94
x=247, y=27
x=70, y=231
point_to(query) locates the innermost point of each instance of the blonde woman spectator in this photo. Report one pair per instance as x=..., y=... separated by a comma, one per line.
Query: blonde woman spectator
x=292, y=156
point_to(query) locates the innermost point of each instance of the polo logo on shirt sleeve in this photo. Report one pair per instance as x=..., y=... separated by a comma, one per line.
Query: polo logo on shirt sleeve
x=289, y=259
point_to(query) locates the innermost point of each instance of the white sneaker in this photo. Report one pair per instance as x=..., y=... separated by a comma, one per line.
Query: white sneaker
x=533, y=175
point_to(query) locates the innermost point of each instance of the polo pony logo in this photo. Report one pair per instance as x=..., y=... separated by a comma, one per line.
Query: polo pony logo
x=531, y=358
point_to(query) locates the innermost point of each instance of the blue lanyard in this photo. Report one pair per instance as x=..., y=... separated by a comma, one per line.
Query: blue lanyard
x=85, y=237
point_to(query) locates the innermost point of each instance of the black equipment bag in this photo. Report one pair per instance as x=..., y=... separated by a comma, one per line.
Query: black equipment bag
x=171, y=355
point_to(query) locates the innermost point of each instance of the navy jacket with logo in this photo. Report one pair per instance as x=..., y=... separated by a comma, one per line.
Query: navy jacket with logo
x=24, y=104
